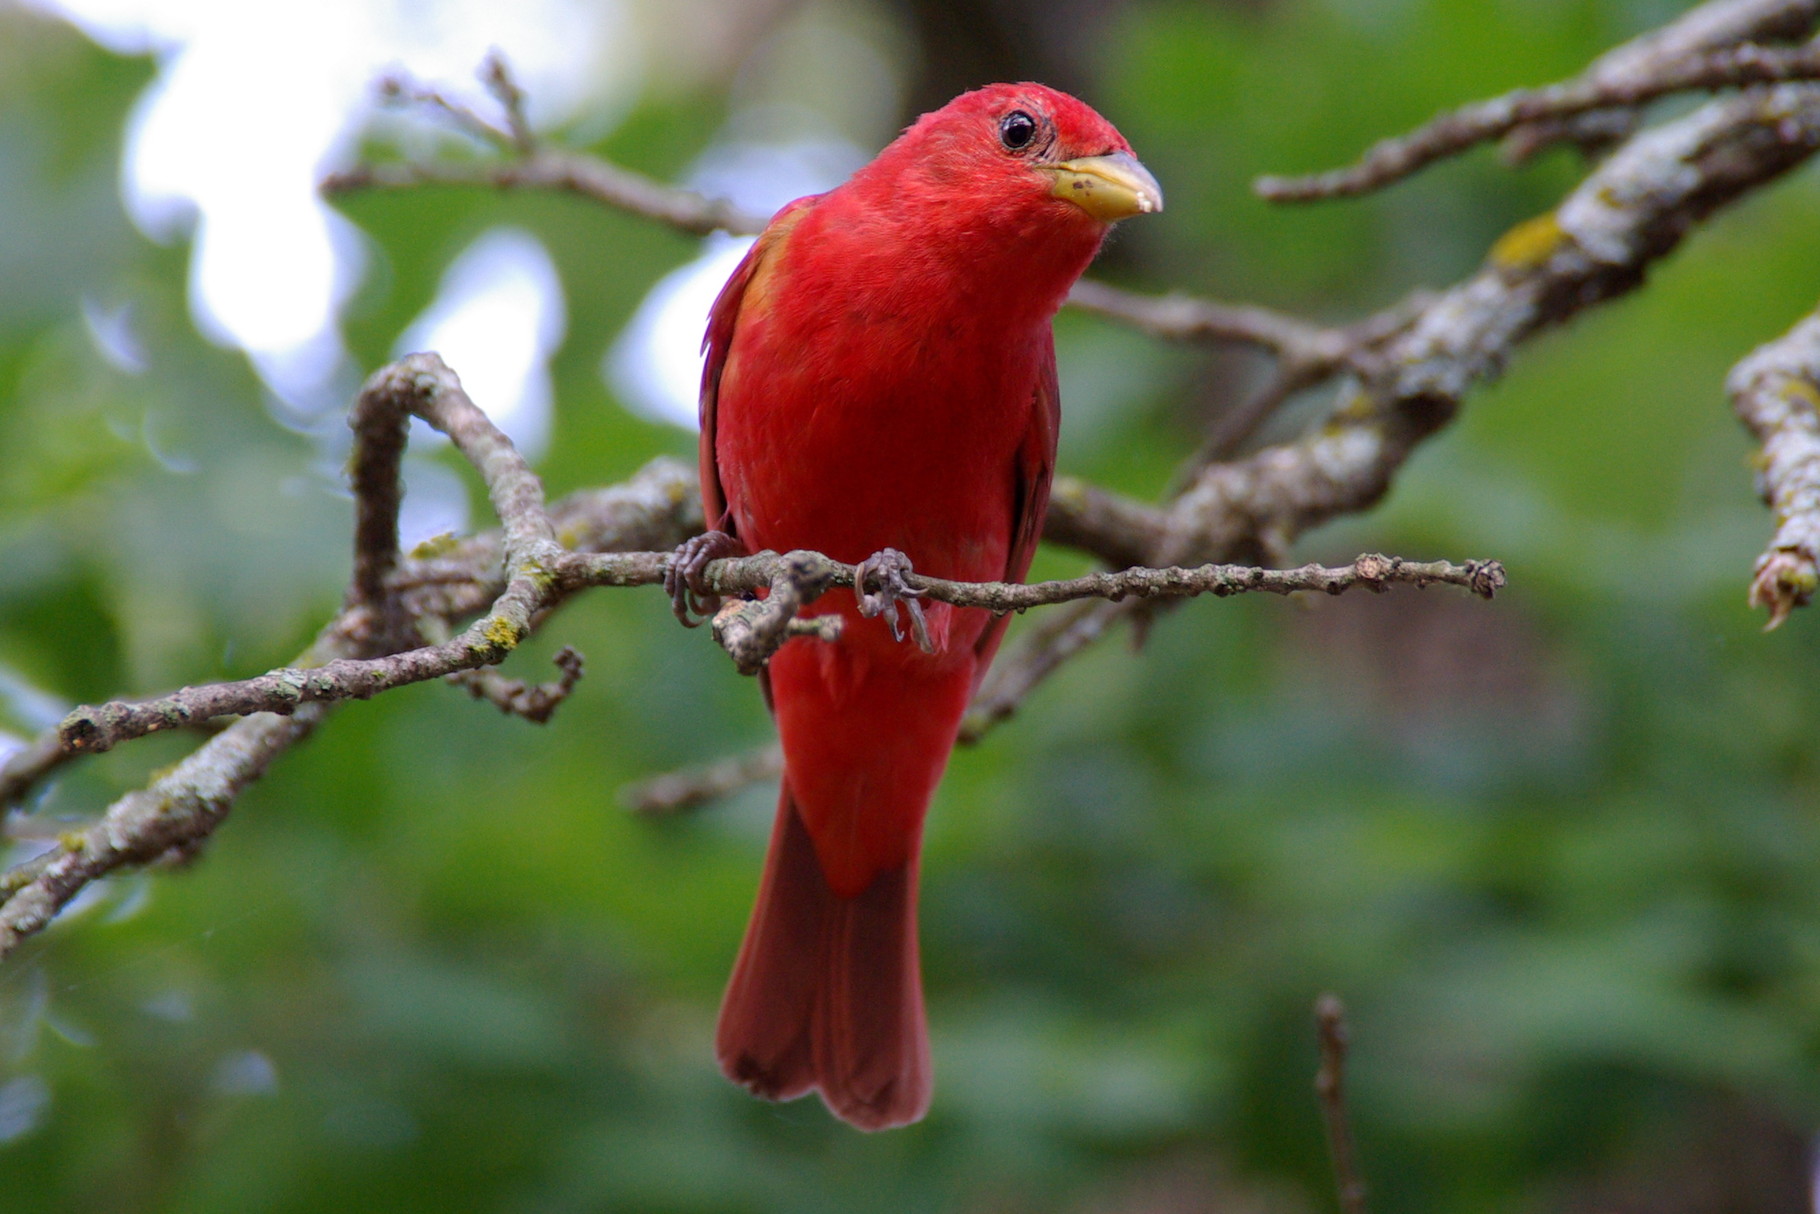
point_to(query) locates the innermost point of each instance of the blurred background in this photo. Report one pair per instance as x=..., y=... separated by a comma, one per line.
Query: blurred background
x=1558, y=853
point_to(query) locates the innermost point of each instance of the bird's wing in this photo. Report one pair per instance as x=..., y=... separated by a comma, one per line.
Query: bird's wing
x=1032, y=470
x=723, y=320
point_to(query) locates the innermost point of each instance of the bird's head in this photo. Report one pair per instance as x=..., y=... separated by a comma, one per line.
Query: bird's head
x=1026, y=150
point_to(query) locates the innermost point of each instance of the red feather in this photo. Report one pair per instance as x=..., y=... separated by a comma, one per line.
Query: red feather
x=880, y=373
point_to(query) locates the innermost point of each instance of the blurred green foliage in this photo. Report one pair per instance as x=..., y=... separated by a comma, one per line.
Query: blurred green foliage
x=1559, y=853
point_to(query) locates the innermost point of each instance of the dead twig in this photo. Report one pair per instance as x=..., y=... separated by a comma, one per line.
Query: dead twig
x=535, y=702
x=677, y=791
x=1330, y=1087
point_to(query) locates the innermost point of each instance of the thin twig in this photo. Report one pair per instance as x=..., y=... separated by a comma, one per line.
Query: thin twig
x=421, y=384
x=1391, y=160
x=1702, y=29
x=497, y=76
x=1050, y=644
x=1776, y=392
x=1330, y=1086
x=657, y=507
x=677, y=791
x=401, y=89
x=566, y=172
x=535, y=702
x=811, y=573
x=750, y=632
x=25, y=767
x=1179, y=317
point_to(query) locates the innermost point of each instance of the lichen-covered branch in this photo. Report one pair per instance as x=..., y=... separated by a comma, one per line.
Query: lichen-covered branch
x=1776, y=392
x=281, y=707
x=1598, y=244
x=182, y=807
x=1704, y=28
x=380, y=424
x=419, y=384
x=176, y=811
x=750, y=632
x=1633, y=83
x=657, y=507
x=811, y=574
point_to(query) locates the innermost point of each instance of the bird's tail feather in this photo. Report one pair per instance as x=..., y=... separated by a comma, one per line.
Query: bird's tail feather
x=827, y=993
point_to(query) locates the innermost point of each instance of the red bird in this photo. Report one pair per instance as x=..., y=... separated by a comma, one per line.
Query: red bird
x=880, y=386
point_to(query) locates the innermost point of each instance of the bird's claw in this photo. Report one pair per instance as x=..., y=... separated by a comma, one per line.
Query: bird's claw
x=887, y=568
x=690, y=599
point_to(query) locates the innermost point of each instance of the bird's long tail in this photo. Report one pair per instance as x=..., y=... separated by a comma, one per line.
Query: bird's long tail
x=826, y=993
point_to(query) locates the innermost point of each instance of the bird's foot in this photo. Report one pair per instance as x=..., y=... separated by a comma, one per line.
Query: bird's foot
x=887, y=568
x=689, y=598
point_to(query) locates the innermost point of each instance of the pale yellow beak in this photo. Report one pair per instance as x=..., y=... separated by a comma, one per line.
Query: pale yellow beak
x=1109, y=188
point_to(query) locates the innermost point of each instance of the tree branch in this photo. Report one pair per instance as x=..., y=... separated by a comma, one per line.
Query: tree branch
x=1179, y=317
x=1705, y=27
x=1642, y=81
x=282, y=707
x=1776, y=392
x=181, y=808
x=174, y=812
x=418, y=384
x=537, y=166
x=497, y=76
x=750, y=631
x=586, y=176
x=1597, y=245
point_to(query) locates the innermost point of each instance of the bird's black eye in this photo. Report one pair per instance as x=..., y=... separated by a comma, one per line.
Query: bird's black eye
x=1016, y=130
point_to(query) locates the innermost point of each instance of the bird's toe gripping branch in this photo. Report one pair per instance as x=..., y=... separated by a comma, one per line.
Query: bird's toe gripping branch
x=690, y=597
x=751, y=630
x=887, y=568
